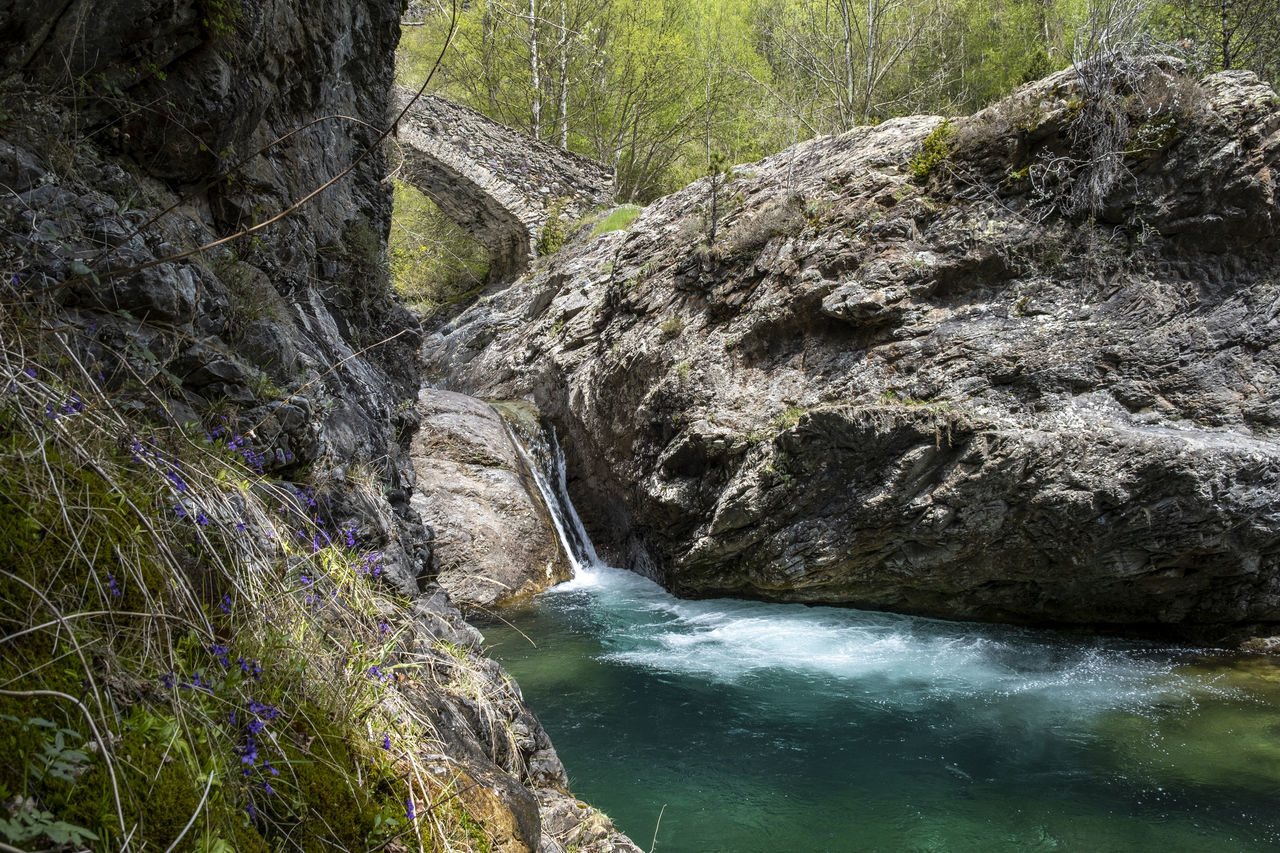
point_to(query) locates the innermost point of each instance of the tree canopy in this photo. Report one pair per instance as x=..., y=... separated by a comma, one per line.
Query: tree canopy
x=660, y=90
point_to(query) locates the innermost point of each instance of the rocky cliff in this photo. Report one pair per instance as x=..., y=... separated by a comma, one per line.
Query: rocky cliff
x=1018, y=366
x=139, y=141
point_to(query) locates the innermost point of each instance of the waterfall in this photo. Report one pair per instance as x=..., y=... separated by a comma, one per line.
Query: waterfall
x=546, y=464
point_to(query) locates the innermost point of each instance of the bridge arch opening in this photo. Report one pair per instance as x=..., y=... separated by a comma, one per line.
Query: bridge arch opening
x=496, y=183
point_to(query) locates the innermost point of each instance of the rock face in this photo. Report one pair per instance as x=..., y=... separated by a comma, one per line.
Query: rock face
x=494, y=539
x=498, y=184
x=135, y=132
x=289, y=334
x=1004, y=375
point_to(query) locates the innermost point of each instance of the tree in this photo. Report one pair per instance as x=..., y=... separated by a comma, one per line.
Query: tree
x=840, y=62
x=1226, y=34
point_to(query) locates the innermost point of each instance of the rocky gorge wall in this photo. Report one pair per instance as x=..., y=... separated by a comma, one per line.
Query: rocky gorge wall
x=135, y=132
x=981, y=369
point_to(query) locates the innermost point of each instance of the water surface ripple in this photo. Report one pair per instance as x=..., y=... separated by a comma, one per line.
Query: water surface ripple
x=766, y=727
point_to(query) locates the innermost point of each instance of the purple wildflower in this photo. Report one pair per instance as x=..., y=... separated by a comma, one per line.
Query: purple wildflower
x=266, y=712
x=180, y=510
x=384, y=628
x=372, y=564
x=167, y=680
x=225, y=606
x=202, y=519
x=266, y=786
x=408, y=809
x=176, y=479
x=250, y=667
x=386, y=742
x=220, y=652
x=113, y=586
x=31, y=371
x=249, y=753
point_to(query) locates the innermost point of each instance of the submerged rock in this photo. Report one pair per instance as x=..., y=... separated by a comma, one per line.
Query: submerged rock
x=998, y=385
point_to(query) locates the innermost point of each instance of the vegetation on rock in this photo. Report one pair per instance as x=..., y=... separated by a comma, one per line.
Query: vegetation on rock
x=434, y=263
x=196, y=656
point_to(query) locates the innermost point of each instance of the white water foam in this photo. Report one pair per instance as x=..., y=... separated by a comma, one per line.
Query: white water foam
x=726, y=640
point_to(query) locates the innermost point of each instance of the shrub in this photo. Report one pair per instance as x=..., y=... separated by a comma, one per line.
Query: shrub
x=553, y=231
x=934, y=151
x=785, y=215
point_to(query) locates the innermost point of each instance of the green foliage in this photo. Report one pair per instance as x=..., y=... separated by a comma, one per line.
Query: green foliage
x=671, y=328
x=434, y=263
x=788, y=417
x=934, y=151
x=636, y=84
x=653, y=88
x=31, y=824
x=43, y=748
x=617, y=219
x=553, y=232
x=1216, y=35
x=220, y=17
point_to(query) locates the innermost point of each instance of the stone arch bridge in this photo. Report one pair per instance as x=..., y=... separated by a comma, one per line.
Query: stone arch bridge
x=497, y=183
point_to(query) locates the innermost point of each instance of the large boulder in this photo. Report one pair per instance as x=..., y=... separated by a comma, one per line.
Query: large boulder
x=986, y=368
x=495, y=541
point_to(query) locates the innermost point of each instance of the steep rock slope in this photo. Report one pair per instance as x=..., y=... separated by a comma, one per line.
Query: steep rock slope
x=133, y=132
x=1020, y=366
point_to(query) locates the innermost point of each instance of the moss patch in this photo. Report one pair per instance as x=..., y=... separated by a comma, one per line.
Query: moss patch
x=934, y=151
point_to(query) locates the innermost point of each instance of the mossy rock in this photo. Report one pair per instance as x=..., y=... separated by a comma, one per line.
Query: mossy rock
x=159, y=793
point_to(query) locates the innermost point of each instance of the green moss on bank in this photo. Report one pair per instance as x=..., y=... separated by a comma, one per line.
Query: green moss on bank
x=189, y=659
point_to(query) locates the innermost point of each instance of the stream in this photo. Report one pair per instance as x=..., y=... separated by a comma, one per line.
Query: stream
x=727, y=725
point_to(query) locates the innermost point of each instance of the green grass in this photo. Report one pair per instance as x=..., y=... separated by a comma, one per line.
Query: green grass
x=788, y=417
x=434, y=263
x=617, y=219
x=934, y=151
x=187, y=658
